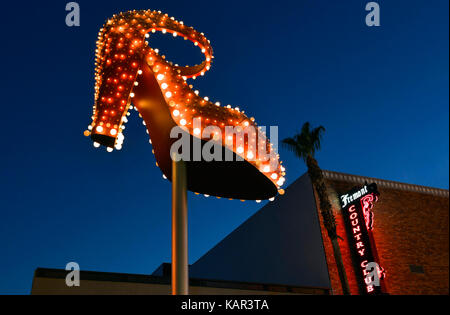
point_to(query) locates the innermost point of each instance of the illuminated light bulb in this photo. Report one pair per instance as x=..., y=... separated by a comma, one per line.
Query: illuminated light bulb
x=90, y=127
x=274, y=176
x=164, y=86
x=119, y=147
x=176, y=112
x=113, y=132
x=217, y=103
x=160, y=76
x=272, y=199
x=147, y=35
x=150, y=141
x=280, y=182
x=250, y=155
x=240, y=150
x=197, y=131
x=156, y=50
x=258, y=201
x=168, y=94
x=136, y=83
x=109, y=149
x=281, y=191
x=96, y=144
x=206, y=98
x=175, y=34
x=139, y=72
x=131, y=94
x=206, y=196
x=99, y=129
x=86, y=133
x=164, y=176
x=266, y=169
x=164, y=31
x=183, y=122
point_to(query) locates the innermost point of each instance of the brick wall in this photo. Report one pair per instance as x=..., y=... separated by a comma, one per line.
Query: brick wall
x=410, y=229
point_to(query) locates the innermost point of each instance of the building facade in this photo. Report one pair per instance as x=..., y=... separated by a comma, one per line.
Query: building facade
x=411, y=232
x=286, y=241
x=284, y=247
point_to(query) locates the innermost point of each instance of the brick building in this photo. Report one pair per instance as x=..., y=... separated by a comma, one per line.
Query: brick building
x=282, y=244
x=284, y=248
x=411, y=232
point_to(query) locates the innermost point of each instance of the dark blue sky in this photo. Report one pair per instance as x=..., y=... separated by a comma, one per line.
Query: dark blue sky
x=381, y=93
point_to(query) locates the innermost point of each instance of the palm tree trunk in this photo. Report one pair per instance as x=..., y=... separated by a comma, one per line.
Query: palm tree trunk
x=315, y=173
x=340, y=266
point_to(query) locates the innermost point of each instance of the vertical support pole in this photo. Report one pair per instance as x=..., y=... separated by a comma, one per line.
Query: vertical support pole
x=180, y=276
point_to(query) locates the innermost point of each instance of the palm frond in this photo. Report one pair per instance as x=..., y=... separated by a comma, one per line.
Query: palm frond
x=306, y=142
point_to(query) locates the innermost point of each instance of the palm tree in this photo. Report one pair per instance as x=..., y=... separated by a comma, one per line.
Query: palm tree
x=304, y=145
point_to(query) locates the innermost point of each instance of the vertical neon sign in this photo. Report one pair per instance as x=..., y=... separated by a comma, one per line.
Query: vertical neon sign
x=357, y=207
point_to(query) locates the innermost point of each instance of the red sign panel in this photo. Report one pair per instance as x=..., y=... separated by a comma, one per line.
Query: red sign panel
x=357, y=207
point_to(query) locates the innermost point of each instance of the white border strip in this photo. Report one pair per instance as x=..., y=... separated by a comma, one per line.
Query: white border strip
x=386, y=183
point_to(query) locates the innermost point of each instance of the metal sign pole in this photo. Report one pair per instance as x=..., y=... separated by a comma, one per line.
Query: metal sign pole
x=180, y=277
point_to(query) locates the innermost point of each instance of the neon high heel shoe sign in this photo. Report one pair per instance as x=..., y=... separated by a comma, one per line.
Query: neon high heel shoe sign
x=129, y=73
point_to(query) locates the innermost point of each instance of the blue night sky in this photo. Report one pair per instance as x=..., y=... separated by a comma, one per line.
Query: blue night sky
x=381, y=93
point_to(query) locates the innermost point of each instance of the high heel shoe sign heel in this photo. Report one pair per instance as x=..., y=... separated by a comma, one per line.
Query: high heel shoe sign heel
x=129, y=73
